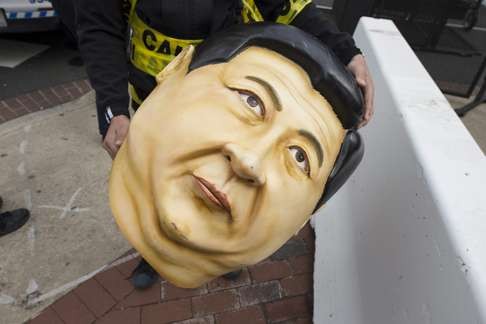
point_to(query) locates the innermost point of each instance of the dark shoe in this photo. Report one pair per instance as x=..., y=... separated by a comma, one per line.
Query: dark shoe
x=13, y=220
x=144, y=276
x=233, y=275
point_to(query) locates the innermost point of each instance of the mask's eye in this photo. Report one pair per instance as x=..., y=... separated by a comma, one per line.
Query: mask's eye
x=300, y=157
x=252, y=102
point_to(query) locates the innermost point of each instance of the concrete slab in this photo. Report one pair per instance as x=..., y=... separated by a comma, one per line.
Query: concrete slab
x=402, y=241
x=52, y=163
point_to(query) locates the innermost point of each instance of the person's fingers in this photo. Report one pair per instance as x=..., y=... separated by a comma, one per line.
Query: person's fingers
x=109, y=150
x=369, y=100
x=368, y=92
x=109, y=142
x=361, y=80
x=121, y=133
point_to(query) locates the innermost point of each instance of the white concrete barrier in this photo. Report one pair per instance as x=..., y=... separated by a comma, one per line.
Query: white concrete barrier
x=405, y=240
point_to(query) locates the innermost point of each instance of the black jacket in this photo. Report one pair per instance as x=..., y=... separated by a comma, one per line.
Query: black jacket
x=102, y=33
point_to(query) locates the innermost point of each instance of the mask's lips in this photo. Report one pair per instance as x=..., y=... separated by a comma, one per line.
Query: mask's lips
x=213, y=194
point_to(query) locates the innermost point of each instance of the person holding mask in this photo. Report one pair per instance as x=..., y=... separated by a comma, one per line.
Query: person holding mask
x=125, y=44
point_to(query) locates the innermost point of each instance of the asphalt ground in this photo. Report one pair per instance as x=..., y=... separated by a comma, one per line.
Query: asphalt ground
x=49, y=68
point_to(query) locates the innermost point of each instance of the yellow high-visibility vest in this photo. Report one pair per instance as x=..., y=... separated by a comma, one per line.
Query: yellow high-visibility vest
x=150, y=50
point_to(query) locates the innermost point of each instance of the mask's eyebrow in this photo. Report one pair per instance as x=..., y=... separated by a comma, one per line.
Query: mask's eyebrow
x=271, y=91
x=315, y=143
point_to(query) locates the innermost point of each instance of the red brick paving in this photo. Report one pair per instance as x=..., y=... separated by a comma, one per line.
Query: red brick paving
x=125, y=316
x=287, y=308
x=11, y=108
x=167, y=312
x=72, y=310
x=217, y=302
x=115, y=283
x=277, y=290
x=270, y=270
x=252, y=314
x=95, y=297
x=48, y=315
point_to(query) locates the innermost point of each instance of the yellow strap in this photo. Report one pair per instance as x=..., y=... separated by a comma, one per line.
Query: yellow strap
x=133, y=3
x=250, y=12
x=134, y=95
x=150, y=50
x=291, y=9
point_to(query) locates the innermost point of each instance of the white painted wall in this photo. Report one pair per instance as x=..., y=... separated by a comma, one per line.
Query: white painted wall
x=404, y=242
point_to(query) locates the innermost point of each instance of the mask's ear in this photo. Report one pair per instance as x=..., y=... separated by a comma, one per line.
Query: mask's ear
x=179, y=65
x=349, y=157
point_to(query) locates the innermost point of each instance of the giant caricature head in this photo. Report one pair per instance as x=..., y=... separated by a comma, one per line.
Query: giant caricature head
x=242, y=139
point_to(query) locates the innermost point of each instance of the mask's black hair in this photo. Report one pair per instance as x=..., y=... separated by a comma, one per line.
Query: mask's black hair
x=326, y=72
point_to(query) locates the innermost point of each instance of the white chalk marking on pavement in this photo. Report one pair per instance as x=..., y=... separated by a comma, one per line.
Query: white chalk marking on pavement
x=22, y=146
x=73, y=209
x=32, y=288
x=78, y=281
x=21, y=168
x=31, y=237
x=6, y=299
x=69, y=206
x=28, y=199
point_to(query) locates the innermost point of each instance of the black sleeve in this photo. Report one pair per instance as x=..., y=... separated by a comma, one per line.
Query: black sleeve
x=102, y=30
x=313, y=21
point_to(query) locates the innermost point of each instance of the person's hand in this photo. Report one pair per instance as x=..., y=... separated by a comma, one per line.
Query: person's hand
x=116, y=134
x=358, y=67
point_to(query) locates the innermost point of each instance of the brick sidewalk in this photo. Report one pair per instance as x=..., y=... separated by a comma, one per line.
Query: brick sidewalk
x=11, y=108
x=277, y=290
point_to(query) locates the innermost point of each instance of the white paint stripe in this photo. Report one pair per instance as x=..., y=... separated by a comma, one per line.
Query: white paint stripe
x=69, y=206
x=109, y=112
x=79, y=210
x=72, y=210
x=31, y=237
x=107, y=119
x=70, y=203
x=22, y=146
x=32, y=288
x=28, y=199
x=6, y=299
x=21, y=168
x=78, y=281
x=52, y=207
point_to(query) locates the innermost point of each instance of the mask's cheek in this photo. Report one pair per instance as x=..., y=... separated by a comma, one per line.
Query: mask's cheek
x=280, y=210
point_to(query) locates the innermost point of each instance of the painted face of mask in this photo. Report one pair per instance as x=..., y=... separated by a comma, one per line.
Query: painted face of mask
x=223, y=165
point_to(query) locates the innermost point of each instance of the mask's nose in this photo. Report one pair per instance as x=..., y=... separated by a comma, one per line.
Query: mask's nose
x=245, y=163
